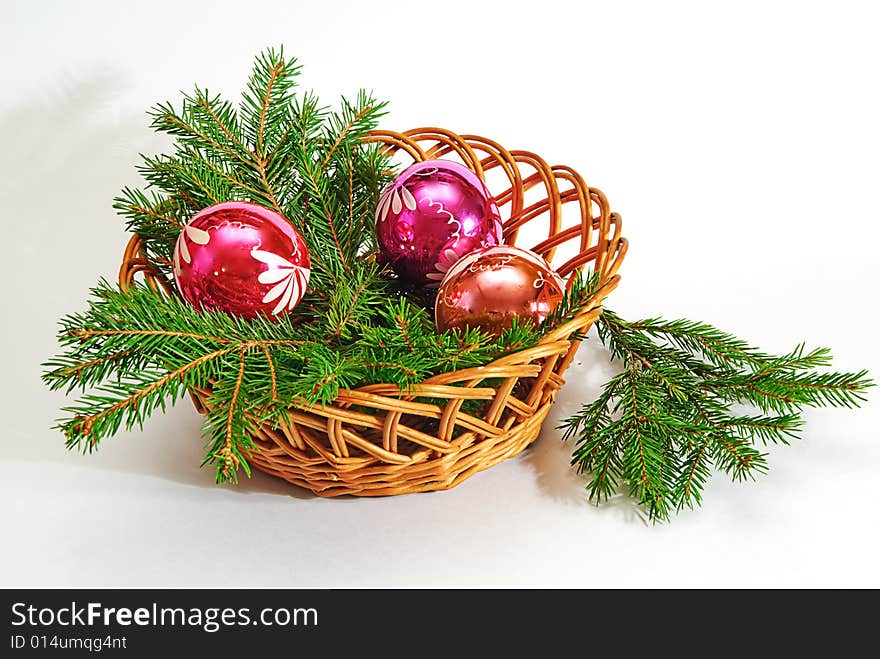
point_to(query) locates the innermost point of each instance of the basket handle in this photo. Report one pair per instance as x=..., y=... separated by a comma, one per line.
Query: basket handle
x=134, y=261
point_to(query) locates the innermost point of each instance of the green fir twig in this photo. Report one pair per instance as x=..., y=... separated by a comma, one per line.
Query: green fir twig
x=674, y=412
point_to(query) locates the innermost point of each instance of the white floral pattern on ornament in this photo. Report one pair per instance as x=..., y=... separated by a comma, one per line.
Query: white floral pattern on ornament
x=290, y=280
x=394, y=199
x=447, y=259
x=181, y=250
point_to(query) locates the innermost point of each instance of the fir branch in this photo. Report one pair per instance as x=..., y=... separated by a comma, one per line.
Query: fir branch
x=402, y=324
x=669, y=417
x=408, y=372
x=267, y=102
x=695, y=473
x=718, y=347
x=90, y=333
x=272, y=374
x=354, y=118
x=92, y=426
x=349, y=306
x=228, y=461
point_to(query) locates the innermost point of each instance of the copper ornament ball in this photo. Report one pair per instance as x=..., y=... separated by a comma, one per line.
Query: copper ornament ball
x=490, y=287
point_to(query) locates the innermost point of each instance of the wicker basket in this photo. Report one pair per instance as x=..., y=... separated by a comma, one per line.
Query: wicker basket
x=375, y=440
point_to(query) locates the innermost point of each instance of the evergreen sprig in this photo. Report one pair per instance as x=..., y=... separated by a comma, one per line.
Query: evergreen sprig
x=675, y=411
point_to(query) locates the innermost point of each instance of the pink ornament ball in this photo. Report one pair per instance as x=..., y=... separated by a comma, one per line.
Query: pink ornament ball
x=243, y=259
x=430, y=216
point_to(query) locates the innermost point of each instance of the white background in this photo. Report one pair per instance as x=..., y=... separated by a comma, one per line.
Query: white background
x=740, y=144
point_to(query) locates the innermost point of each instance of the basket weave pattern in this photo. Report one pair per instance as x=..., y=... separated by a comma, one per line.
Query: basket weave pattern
x=376, y=440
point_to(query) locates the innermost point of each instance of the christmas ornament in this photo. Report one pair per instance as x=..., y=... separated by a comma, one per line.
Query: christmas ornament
x=490, y=287
x=431, y=215
x=241, y=258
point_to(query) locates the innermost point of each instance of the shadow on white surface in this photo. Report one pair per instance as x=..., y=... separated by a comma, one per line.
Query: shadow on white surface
x=260, y=483
x=551, y=457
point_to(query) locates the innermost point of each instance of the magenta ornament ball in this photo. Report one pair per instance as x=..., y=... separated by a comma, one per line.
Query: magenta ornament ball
x=243, y=259
x=430, y=216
